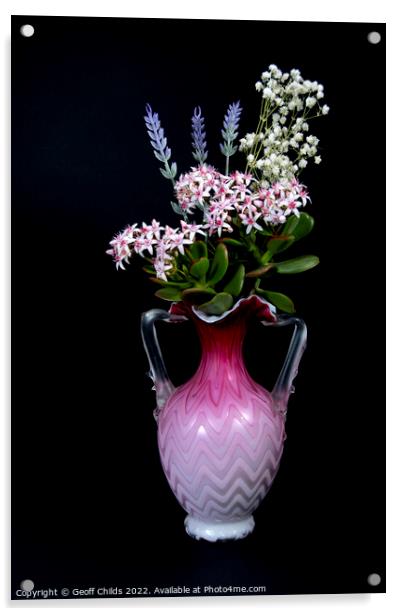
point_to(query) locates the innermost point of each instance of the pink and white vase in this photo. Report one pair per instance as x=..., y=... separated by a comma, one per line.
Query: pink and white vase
x=221, y=434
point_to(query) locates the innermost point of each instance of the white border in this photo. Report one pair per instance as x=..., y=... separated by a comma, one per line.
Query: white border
x=292, y=10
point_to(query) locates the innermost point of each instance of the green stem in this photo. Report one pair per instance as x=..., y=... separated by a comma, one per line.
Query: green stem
x=167, y=168
x=254, y=250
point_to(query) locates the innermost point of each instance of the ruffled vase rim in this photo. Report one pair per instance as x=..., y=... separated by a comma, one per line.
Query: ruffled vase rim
x=268, y=310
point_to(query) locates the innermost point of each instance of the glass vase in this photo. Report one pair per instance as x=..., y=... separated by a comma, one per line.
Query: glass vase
x=221, y=434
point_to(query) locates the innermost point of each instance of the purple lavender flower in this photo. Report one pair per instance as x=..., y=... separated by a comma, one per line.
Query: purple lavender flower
x=229, y=132
x=159, y=143
x=198, y=135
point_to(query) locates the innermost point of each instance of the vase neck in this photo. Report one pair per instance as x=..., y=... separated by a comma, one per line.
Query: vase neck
x=222, y=351
x=222, y=338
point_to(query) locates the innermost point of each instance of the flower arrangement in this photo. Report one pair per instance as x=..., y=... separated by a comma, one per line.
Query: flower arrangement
x=233, y=225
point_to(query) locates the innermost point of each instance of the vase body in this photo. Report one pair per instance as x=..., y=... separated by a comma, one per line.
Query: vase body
x=221, y=434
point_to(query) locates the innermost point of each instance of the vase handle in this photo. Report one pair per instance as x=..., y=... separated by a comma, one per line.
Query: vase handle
x=162, y=384
x=284, y=384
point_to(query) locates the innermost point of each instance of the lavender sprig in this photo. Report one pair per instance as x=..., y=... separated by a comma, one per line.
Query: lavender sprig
x=198, y=135
x=159, y=144
x=229, y=134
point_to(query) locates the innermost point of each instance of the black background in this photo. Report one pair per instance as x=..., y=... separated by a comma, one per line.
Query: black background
x=90, y=503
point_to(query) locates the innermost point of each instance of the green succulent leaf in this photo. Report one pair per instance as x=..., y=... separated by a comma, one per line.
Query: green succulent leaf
x=295, y=229
x=198, y=250
x=199, y=268
x=281, y=301
x=235, y=285
x=197, y=296
x=231, y=242
x=219, y=264
x=171, y=294
x=170, y=283
x=275, y=246
x=217, y=305
x=304, y=226
x=290, y=225
x=297, y=265
x=260, y=271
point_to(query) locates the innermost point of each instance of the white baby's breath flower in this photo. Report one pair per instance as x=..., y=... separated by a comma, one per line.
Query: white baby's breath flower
x=242, y=145
x=317, y=160
x=287, y=99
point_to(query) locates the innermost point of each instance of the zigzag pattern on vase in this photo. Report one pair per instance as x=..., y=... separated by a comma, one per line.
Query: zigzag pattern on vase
x=220, y=438
x=220, y=453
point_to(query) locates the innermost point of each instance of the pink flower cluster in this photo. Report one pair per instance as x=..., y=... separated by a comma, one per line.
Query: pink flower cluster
x=276, y=203
x=199, y=187
x=160, y=242
x=226, y=201
x=224, y=197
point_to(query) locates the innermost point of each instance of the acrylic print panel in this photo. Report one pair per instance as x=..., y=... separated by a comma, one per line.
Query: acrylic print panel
x=93, y=514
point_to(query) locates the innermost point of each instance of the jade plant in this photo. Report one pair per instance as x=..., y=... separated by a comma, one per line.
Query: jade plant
x=234, y=226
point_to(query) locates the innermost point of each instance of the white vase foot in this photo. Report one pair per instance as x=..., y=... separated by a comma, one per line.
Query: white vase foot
x=218, y=531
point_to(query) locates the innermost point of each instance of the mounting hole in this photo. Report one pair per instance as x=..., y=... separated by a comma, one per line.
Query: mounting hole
x=27, y=30
x=27, y=585
x=374, y=38
x=374, y=579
